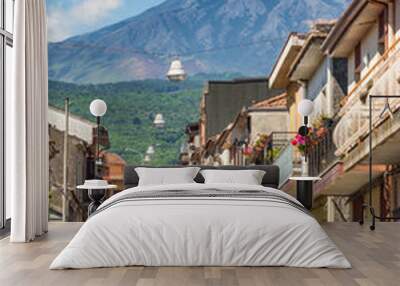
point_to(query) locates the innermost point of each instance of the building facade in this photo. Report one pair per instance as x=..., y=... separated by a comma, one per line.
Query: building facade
x=339, y=65
x=223, y=100
x=82, y=137
x=372, y=51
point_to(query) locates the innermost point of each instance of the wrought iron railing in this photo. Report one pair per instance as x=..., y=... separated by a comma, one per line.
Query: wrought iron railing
x=322, y=155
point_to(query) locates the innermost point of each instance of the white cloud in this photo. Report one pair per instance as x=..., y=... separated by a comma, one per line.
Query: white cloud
x=82, y=16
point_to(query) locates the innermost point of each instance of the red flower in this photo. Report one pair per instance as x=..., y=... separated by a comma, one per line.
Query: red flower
x=294, y=142
x=247, y=151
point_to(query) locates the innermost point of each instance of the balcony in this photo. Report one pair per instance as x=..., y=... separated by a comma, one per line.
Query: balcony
x=380, y=79
x=321, y=157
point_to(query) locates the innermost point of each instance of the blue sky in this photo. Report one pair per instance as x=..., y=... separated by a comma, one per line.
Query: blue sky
x=72, y=17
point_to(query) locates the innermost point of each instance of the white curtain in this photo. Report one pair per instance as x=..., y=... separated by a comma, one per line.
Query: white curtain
x=26, y=124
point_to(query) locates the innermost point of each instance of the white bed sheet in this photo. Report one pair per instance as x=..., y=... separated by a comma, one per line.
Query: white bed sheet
x=200, y=232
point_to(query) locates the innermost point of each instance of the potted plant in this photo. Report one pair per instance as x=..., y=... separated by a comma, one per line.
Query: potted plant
x=258, y=148
x=303, y=143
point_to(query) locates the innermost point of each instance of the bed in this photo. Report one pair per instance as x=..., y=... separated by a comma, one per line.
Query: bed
x=199, y=224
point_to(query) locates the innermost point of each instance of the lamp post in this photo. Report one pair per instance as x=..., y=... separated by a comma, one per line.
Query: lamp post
x=304, y=183
x=305, y=109
x=98, y=108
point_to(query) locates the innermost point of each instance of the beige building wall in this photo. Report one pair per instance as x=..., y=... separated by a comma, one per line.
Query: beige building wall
x=369, y=44
x=266, y=122
x=294, y=97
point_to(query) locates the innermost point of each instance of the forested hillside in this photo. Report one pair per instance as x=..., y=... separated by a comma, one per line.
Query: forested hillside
x=131, y=110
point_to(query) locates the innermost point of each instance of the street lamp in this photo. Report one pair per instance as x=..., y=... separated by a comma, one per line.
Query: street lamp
x=159, y=121
x=305, y=108
x=176, y=71
x=98, y=108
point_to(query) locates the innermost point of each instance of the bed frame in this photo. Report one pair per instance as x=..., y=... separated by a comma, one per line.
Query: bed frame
x=271, y=177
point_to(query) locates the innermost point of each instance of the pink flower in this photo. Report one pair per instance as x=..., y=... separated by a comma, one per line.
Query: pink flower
x=301, y=141
x=247, y=151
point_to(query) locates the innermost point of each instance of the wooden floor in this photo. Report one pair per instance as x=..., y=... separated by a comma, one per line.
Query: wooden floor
x=375, y=257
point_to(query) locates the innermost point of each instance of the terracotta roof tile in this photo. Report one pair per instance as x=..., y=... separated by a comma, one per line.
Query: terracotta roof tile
x=276, y=101
x=113, y=158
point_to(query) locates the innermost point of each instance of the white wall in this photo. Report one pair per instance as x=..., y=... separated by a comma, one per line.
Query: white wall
x=79, y=127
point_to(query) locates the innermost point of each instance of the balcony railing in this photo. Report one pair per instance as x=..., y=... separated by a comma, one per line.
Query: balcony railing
x=322, y=155
x=285, y=161
x=277, y=142
x=381, y=79
x=374, y=72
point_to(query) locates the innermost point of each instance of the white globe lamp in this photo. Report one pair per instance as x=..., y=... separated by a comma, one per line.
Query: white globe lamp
x=306, y=107
x=98, y=108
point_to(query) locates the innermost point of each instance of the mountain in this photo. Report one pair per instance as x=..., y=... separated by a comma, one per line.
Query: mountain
x=242, y=36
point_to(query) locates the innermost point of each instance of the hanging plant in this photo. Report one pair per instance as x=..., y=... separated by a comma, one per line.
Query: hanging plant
x=260, y=143
x=321, y=126
x=256, y=151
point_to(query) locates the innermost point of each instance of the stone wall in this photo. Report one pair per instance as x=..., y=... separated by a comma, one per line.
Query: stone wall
x=266, y=122
x=78, y=165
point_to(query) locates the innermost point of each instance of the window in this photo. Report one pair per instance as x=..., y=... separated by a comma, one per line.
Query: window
x=249, y=124
x=357, y=63
x=383, y=32
x=6, y=44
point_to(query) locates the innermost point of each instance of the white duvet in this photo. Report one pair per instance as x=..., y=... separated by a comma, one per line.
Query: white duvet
x=200, y=232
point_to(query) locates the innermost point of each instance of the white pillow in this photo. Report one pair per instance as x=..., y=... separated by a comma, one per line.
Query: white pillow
x=166, y=176
x=246, y=177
